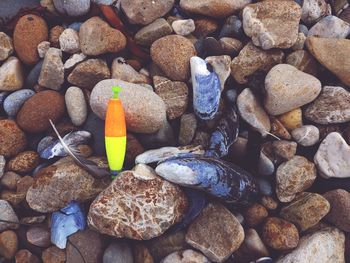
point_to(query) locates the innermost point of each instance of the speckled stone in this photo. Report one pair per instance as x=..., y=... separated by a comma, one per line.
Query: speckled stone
x=12, y=139
x=8, y=244
x=123, y=71
x=183, y=27
x=302, y=60
x=24, y=162
x=53, y=255
x=157, y=29
x=43, y=47
x=76, y=105
x=52, y=71
x=69, y=41
x=11, y=75
x=188, y=127
x=6, y=46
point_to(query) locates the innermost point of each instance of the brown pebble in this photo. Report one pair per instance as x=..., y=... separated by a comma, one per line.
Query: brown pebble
x=55, y=33
x=10, y=179
x=255, y=214
x=8, y=244
x=12, y=138
x=53, y=255
x=205, y=27
x=25, y=256
x=269, y=202
x=39, y=236
x=24, y=162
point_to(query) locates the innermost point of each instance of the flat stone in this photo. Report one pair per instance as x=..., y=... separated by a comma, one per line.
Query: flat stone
x=306, y=135
x=11, y=75
x=294, y=176
x=272, y=24
x=123, y=71
x=53, y=255
x=302, y=60
x=39, y=236
x=52, y=70
x=252, y=59
x=76, y=105
x=24, y=162
x=216, y=232
x=252, y=112
x=332, y=106
x=7, y=214
x=339, y=214
x=288, y=88
x=213, y=8
x=69, y=41
x=221, y=66
x=8, y=244
x=118, y=252
x=24, y=255
x=323, y=246
x=330, y=27
x=306, y=210
x=280, y=234
x=188, y=127
x=174, y=94
x=180, y=50
x=97, y=37
x=184, y=256
x=333, y=54
x=284, y=149
x=74, y=60
x=157, y=29
x=43, y=47
x=6, y=46
x=154, y=205
x=15, y=100
x=145, y=117
x=313, y=10
x=89, y=72
x=12, y=139
x=75, y=8
x=183, y=27
x=57, y=185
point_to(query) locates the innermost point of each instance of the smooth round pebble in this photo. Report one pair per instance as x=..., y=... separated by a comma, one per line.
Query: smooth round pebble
x=183, y=27
x=76, y=105
x=69, y=41
x=306, y=135
x=15, y=100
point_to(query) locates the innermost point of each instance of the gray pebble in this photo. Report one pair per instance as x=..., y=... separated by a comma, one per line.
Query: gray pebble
x=306, y=135
x=3, y=96
x=33, y=76
x=265, y=166
x=265, y=186
x=76, y=105
x=72, y=8
x=15, y=100
x=118, y=252
x=75, y=26
x=330, y=27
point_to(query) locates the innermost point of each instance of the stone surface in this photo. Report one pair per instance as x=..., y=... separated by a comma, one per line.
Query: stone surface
x=330, y=27
x=69, y=41
x=292, y=119
x=323, y=246
x=76, y=105
x=272, y=24
x=11, y=75
x=97, y=37
x=252, y=59
x=88, y=73
x=216, y=232
x=142, y=254
x=35, y=113
x=294, y=176
x=255, y=214
x=15, y=100
x=2, y=165
x=174, y=94
x=137, y=205
x=252, y=112
x=332, y=106
x=302, y=60
x=306, y=210
x=58, y=184
x=313, y=10
x=180, y=50
x=306, y=135
x=188, y=127
x=288, y=88
x=7, y=213
x=339, y=214
x=52, y=70
x=74, y=60
x=183, y=27
x=280, y=234
x=39, y=236
x=221, y=66
x=6, y=46
x=144, y=12
x=24, y=162
x=43, y=47
x=12, y=138
x=30, y=30
x=157, y=29
x=123, y=71
x=284, y=149
x=332, y=156
x=25, y=256
x=53, y=255
x=145, y=117
x=55, y=33
x=213, y=8
x=72, y=8
x=333, y=54
x=205, y=26
x=184, y=256
x=278, y=129
x=8, y=244
x=118, y=252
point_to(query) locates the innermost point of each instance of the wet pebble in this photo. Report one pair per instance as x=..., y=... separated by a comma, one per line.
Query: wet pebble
x=292, y=119
x=11, y=75
x=188, y=127
x=69, y=41
x=6, y=46
x=255, y=214
x=76, y=105
x=76, y=8
x=183, y=27
x=33, y=76
x=24, y=255
x=204, y=27
x=306, y=135
x=302, y=60
x=330, y=27
x=53, y=255
x=55, y=33
x=233, y=27
x=118, y=252
x=230, y=46
x=96, y=127
x=265, y=165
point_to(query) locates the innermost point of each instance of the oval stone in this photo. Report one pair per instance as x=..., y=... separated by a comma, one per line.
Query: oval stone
x=15, y=100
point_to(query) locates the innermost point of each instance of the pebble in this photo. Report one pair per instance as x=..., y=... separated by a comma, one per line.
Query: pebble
x=76, y=105
x=251, y=248
x=96, y=127
x=137, y=205
x=133, y=148
x=255, y=214
x=6, y=46
x=284, y=149
x=24, y=162
x=280, y=234
x=174, y=94
x=25, y=256
x=74, y=8
x=215, y=232
x=339, y=214
x=269, y=202
x=288, y=88
x=300, y=43
x=323, y=246
x=333, y=54
x=292, y=119
x=12, y=138
x=302, y=60
x=144, y=12
x=294, y=176
x=43, y=47
x=2, y=165
x=60, y=183
x=75, y=25
x=74, y=60
x=52, y=71
x=306, y=210
x=123, y=71
x=8, y=244
x=221, y=66
x=33, y=76
x=233, y=27
x=230, y=46
x=278, y=129
x=184, y=256
x=39, y=236
x=265, y=165
x=252, y=112
x=69, y=41
x=118, y=252
x=330, y=27
x=146, y=117
x=53, y=255
x=157, y=29
x=332, y=106
x=209, y=46
x=204, y=27
x=306, y=135
x=183, y=27
x=97, y=37
x=30, y=30
x=272, y=24
x=252, y=59
x=11, y=75
x=35, y=113
x=313, y=10
x=55, y=33
x=15, y=100
x=213, y=8
x=188, y=127
x=89, y=72
x=7, y=213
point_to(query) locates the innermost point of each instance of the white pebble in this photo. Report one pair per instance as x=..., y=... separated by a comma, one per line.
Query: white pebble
x=43, y=47
x=183, y=27
x=69, y=41
x=306, y=135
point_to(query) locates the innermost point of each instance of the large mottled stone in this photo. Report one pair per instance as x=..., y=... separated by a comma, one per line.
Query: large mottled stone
x=288, y=88
x=11, y=75
x=216, y=232
x=272, y=24
x=332, y=106
x=7, y=213
x=52, y=71
x=137, y=205
x=64, y=181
